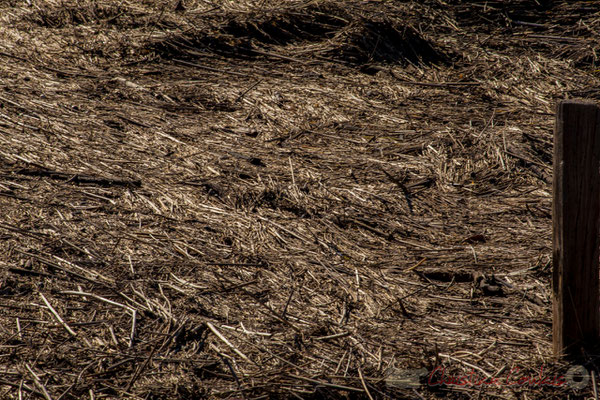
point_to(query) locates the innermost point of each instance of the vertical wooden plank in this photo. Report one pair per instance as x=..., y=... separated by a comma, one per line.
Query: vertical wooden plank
x=576, y=210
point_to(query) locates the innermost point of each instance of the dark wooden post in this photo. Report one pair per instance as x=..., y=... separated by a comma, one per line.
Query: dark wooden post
x=576, y=211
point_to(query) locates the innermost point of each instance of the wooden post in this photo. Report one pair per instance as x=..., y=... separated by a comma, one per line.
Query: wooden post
x=576, y=211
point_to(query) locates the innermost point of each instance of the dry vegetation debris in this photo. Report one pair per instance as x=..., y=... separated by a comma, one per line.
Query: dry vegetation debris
x=265, y=199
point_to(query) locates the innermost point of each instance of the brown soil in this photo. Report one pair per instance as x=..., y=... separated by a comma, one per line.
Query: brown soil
x=265, y=199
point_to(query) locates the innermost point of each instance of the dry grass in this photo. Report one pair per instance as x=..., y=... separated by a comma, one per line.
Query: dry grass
x=266, y=199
